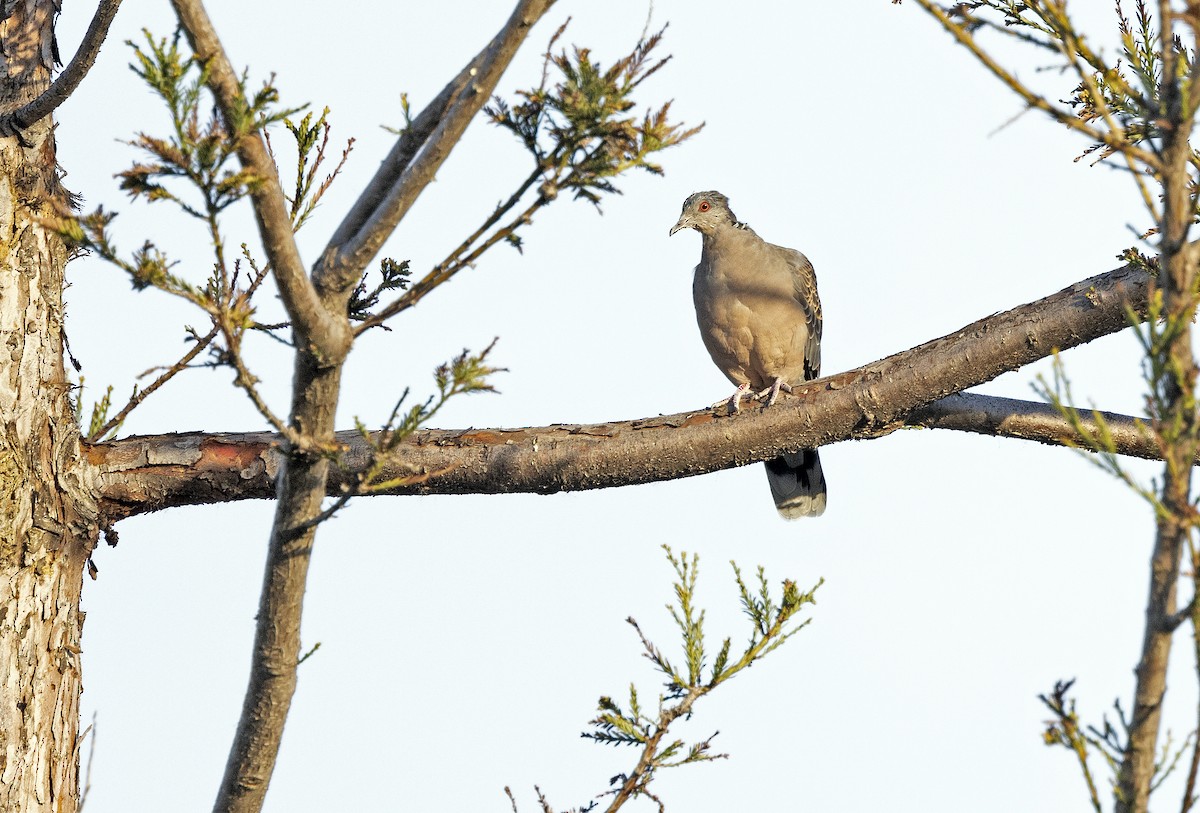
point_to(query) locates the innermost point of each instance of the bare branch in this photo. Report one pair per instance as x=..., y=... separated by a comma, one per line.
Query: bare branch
x=11, y=124
x=152, y=472
x=418, y=153
x=148, y=474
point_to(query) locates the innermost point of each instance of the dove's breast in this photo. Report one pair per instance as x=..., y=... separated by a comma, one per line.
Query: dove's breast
x=750, y=319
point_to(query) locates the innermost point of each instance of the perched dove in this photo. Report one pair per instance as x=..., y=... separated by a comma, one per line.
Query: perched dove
x=760, y=318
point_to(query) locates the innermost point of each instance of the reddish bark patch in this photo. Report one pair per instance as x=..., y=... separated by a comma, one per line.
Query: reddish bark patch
x=216, y=455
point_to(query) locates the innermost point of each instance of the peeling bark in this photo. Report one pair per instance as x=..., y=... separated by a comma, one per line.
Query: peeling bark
x=47, y=514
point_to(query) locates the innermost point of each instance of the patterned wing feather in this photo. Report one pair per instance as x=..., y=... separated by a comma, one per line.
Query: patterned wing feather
x=805, y=280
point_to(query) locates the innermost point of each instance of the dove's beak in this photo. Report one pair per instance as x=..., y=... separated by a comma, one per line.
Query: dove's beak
x=683, y=223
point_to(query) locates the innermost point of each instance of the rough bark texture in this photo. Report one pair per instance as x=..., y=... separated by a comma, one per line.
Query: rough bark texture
x=140, y=474
x=46, y=516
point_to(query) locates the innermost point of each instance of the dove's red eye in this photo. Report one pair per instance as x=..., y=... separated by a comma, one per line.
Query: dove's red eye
x=704, y=206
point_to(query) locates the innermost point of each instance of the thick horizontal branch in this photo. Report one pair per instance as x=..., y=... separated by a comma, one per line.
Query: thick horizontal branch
x=141, y=474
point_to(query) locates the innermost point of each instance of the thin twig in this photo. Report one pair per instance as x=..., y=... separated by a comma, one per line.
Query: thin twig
x=454, y=263
x=1173, y=622
x=446, y=269
x=1070, y=47
x=90, y=735
x=1034, y=100
x=492, y=220
x=637, y=779
x=245, y=380
x=142, y=395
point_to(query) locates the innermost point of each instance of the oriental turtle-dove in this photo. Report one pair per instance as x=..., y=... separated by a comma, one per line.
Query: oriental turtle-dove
x=760, y=318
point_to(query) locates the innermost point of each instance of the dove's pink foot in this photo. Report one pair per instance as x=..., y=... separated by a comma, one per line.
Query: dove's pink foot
x=772, y=392
x=734, y=402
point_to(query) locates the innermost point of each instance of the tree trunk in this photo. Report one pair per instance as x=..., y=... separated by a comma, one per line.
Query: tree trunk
x=47, y=518
x=1174, y=393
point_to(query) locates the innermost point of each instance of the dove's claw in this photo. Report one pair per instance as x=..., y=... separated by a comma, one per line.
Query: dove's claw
x=733, y=402
x=772, y=392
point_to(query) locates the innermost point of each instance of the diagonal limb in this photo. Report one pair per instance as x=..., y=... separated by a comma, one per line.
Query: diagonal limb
x=308, y=315
x=12, y=124
x=419, y=153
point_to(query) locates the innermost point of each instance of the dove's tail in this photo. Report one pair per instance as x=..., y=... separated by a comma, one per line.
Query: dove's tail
x=797, y=484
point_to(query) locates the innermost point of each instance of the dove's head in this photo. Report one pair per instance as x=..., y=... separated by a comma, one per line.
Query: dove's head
x=705, y=212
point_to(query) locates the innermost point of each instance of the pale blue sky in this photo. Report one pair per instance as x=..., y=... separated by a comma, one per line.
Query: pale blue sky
x=465, y=640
